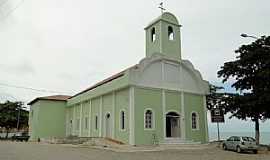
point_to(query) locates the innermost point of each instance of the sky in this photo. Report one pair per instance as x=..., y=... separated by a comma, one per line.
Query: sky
x=66, y=46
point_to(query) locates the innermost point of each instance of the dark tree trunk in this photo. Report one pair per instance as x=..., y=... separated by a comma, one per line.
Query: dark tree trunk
x=257, y=131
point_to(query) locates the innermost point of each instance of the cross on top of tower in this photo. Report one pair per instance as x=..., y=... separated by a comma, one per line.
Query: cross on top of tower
x=161, y=7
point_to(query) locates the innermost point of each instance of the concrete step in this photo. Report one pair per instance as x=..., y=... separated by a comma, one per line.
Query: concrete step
x=175, y=141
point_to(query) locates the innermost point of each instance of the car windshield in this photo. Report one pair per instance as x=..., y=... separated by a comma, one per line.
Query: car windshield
x=248, y=139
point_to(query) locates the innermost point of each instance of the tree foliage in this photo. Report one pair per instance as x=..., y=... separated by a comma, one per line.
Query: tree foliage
x=9, y=113
x=219, y=99
x=215, y=99
x=250, y=73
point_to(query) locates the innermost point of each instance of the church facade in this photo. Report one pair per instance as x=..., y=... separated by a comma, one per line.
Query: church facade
x=162, y=99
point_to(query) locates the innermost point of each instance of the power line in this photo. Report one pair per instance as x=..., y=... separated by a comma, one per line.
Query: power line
x=28, y=88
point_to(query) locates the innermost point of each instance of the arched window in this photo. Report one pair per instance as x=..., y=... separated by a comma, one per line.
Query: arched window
x=170, y=33
x=77, y=124
x=148, y=119
x=153, y=34
x=96, y=122
x=86, y=123
x=122, y=120
x=194, y=121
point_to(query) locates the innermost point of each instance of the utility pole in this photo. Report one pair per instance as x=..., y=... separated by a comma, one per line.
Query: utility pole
x=218, y=131
x=18, y=119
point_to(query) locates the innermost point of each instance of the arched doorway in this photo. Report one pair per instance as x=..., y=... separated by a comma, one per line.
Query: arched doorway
x=108, y=125
x=173, y=125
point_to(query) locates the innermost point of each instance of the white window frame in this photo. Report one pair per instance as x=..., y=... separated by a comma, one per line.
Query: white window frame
x=120, y=120
x=153, y=119
x=197, y=121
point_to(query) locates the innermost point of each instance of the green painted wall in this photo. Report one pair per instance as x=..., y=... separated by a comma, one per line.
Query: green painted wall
x=152, y=98
x=107, y=108
x=69, y=120
x=85, y=117
x=194, y=103
x=95, y=112
x=148, y=98
x=77, y=119
x=173, y=101
x=122, y=103
x=47, y=119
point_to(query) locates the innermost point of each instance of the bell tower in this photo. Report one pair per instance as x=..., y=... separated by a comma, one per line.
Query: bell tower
x=163, y=36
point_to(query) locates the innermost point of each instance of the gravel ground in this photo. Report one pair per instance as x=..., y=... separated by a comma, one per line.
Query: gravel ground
x=34, y=151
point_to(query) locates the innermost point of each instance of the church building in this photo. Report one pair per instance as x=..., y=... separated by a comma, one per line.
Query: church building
x=160, y=100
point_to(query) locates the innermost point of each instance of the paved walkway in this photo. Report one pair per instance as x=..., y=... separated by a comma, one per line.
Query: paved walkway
x=128, y=148
x=34, y=151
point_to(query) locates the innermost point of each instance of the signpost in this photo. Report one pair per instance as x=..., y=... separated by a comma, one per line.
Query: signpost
x=217, y=116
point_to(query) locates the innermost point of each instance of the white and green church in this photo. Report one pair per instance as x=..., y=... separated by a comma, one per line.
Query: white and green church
x=162, y=99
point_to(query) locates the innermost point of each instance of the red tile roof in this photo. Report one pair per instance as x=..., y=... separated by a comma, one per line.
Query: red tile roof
x=53, y=98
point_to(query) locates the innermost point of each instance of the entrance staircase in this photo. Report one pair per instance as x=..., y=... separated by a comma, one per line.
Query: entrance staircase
x=177, y=141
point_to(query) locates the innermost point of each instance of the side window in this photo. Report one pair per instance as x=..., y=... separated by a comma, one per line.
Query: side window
x=148, y=124
x=77, y=124
x=96, y=122
x=71, y=122
x=230, y=139
x=236, y=138
x=122, y=120
x=153, y=34
x=194, y=121
x=170, y=33
x=86, y=123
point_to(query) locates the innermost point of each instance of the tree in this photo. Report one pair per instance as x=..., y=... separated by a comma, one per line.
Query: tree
x=215, y=99
x=251, y=77
x=10, y=113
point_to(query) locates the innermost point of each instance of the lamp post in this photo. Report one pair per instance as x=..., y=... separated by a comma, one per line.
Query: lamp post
x=254, y=37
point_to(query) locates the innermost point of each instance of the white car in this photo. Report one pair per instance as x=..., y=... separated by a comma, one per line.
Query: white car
x=240, y=143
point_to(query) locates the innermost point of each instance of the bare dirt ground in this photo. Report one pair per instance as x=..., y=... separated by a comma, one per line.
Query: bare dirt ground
x=35, y=151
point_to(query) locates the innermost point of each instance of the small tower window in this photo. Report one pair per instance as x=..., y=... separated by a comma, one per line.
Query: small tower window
x=170, y=33
x=153, y=34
